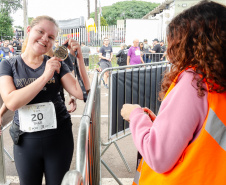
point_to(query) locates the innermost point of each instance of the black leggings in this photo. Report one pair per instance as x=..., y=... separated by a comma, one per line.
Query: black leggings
x=49, y=155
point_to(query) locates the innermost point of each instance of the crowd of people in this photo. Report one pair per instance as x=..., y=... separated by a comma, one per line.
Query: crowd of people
x=10, y=48
x=141, y=52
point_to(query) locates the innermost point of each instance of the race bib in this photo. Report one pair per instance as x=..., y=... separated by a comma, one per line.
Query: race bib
x=37, y=117
x=137, y=52
x=108, y=55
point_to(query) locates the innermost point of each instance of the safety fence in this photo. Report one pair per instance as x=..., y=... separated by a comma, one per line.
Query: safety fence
x=139, y=84
x=147, y=58
x=93, y=36
x=88, y=144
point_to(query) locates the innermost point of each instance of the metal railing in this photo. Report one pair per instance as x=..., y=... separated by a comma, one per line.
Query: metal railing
x=2, y=163
x=151, y=71
x=88, y=144
x=94, y=37
x=88, y=158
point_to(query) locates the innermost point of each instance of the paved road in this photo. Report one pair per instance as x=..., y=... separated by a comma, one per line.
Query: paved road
x=111, y=157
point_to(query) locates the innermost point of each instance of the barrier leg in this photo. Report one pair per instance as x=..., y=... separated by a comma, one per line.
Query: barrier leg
x=109, y=170
x=105, y=149
x=11, y=158
x=2, y=164
x=122, y=157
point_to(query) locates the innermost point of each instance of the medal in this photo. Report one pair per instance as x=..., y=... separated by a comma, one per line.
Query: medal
x=61, y=52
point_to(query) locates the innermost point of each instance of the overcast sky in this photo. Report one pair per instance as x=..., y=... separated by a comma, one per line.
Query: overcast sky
x=61, y=9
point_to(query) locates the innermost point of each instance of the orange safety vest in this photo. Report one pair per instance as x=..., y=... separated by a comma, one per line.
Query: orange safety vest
x=203, y=162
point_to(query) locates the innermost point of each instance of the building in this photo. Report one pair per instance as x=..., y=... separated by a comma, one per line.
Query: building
x=169, y=9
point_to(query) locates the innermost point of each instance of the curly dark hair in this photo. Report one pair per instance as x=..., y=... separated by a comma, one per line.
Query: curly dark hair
x=197, y=38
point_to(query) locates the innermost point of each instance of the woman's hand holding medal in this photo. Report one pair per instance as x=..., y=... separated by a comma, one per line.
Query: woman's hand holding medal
x=52, y=65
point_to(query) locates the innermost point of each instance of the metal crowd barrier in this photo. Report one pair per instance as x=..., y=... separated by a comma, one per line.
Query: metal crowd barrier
x=2, y=163
x=88, y=144
x=153, y=57
x=140, y=84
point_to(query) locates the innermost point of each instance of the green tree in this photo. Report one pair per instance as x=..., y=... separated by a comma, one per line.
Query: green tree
x=10, y=5
x=6, y=29
x=103, y=21
x=6, y=22
x=30, y=19
x=126, y=10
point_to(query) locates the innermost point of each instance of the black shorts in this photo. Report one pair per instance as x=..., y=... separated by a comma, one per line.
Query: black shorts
x=36, y=155
x=86, y=60
x=104, y=65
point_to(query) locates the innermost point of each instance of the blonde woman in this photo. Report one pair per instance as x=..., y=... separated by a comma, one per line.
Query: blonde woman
x=31, y=88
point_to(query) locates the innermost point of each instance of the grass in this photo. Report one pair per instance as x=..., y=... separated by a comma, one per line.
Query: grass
x=94, y=59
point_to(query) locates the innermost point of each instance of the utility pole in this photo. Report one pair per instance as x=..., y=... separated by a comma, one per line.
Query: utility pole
x=96, y=13
x=88, y=7
x=25, y=17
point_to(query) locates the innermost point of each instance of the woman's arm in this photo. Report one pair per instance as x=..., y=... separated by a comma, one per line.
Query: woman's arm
x=16, y=98
x=162, y=142
x=3, y=110
x=71, y=85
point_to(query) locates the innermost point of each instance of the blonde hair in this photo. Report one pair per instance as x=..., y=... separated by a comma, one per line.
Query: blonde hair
x=34, y=22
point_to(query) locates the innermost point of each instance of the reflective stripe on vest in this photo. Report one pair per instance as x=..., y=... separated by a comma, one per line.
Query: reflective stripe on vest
x=216, y=128
x=137, y=174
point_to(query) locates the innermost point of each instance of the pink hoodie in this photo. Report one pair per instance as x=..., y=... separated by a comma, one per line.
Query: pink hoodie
x=182, y=114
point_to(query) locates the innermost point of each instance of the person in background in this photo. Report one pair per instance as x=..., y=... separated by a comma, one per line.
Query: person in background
x=12, y=51
x=2, y=55
x=186, y=142
x=146, y=52
x=85, y=52
x=105, y=55
x=122, y=55
x=6, y=50
x=163, y=50
x=141, y=46
x=155, y=56
x=134, y=55
x=56, y=44
x=128, y=46
x=15, y=42
x=31, y=84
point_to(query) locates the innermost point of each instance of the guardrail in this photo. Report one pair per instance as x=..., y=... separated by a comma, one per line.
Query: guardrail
x=2, y=163
x=136, y=84
x=88, y=144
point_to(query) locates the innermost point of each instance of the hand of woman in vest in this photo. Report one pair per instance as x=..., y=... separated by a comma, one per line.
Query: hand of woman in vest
x=52, y=65
x=127, y=109
x=150, y=113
